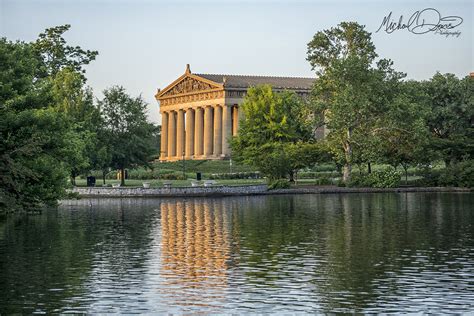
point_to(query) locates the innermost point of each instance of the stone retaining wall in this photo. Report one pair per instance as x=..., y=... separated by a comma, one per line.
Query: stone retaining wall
x=335, y=189
x=172, y=191
x=224, y=190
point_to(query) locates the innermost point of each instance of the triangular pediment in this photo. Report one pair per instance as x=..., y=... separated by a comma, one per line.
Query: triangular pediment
x=188, y=83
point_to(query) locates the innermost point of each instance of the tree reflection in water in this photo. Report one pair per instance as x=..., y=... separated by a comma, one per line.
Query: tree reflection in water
x=409, y=252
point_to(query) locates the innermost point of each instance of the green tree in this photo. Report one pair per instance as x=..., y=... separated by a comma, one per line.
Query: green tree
x=57, y=55
x=76, y=102
x=451, y=116
x=274, y=123
x=101, y=153
x=44, y=108
x=303, y=154
x=129, y=136
x=33, y=137
x=406, y=140
x=64, y=64
x=350, y=92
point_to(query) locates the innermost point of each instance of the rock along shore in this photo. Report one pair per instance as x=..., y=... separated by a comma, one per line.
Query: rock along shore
x=223, y=190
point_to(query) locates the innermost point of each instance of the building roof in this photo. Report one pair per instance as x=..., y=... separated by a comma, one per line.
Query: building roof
x=241, y=81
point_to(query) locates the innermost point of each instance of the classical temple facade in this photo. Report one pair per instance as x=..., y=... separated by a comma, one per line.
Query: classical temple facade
x=200, y=112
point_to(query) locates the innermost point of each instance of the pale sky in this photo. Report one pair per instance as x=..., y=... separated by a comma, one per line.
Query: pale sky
x=145, y=45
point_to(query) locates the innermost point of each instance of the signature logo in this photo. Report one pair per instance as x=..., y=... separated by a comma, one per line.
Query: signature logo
x=422, y=22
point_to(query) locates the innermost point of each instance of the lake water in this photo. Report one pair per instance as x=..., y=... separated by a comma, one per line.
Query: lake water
x=406, y=252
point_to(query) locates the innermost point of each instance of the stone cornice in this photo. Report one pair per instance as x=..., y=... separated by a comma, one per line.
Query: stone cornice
x=189, y=88
x=187, y=84
x=192, y=97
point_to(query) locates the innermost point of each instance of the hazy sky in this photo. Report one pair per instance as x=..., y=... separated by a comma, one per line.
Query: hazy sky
x=145, y=45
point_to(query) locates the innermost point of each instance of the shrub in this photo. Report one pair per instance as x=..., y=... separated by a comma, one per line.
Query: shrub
x=173, y=176
x=235, y=175
x=317, y=174
x=279, y=184
x=340, y=183
x=460, y=175
x=430, y=177
x=325, y=180
x=325, y=167
x=388, y=178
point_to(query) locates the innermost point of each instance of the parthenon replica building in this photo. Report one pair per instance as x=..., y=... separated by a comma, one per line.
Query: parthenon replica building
x=200, y=112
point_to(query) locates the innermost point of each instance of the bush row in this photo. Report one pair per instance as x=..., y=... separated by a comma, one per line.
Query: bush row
x=141, y=174
x=278, y=184
x=458, y=175
x=388, y=178
x=235, y=175
x=317, y=174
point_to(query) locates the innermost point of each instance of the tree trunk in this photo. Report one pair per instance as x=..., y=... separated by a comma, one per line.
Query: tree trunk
x=73, y=179
x=122, y=177
x=103, y=176
x=346, y=176
x=405, y=168
x=292, y=176
x=369, y=168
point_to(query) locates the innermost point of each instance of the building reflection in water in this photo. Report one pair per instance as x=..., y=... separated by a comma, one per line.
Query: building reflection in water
x=196, y=248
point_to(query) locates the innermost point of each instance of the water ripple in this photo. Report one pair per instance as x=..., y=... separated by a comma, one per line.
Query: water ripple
x=372, y=253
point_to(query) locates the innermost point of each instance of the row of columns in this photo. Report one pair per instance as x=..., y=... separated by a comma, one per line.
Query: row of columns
x=198, y=132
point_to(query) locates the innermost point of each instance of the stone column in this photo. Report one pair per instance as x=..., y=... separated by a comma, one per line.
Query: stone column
x=235, y=120
x=164, y=136
x=180, y=134
x=171, y=134
x=217, y=131
x=189, y=133
x=208, y=124
x=226, y=129
x=198, y=137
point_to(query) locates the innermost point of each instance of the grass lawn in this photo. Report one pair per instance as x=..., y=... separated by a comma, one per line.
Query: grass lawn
x=204, y=166
x=174, y=183
x=208, y=167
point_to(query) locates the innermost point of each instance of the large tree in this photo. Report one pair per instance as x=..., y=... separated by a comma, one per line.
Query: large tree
x=351, y=93
x=43, y=106
x=75, y=100
x=33, y=135
x=276, y=126
x=128, y=134
x=451, y=116
x=65, y=66
x=406, y=140
x=57, y=55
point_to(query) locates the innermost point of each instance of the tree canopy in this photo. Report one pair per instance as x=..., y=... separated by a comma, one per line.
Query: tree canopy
x=33, y=134
x=50, y=126
x=57, y=55
x=450, y=117
x=275, y=127
x=354, y=96
x=129, y=136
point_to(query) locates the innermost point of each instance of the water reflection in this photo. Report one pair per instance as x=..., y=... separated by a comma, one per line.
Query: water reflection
x=309, y=253
x=195, y=250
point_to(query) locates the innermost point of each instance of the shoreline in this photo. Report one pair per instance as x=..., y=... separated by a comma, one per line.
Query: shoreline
x=223, y=190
